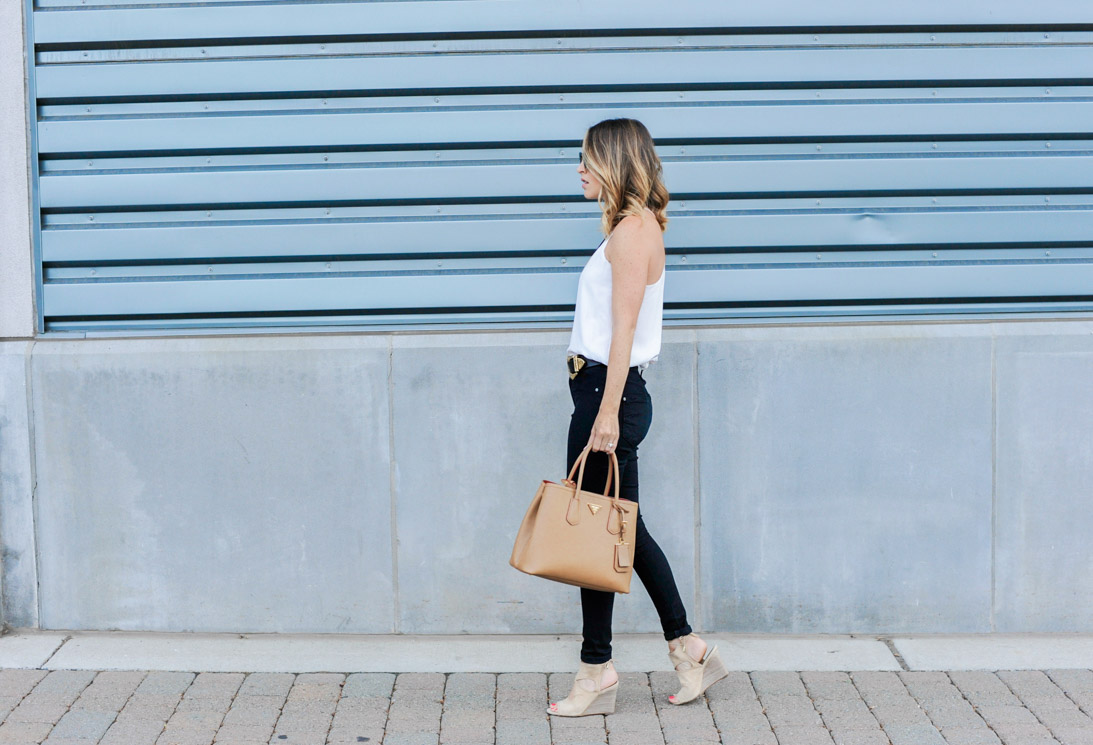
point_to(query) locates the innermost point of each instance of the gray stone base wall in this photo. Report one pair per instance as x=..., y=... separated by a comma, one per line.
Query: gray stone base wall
x=841, y=478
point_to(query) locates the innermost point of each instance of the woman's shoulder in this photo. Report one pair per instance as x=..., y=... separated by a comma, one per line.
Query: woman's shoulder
x=640, y=231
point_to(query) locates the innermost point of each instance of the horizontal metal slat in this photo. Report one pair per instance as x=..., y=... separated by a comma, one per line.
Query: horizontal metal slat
x=680, y=67
x=709, y=284
x=521, y=265
x=488, y=233
x=214, y=21
x=291, y=47
x=669, y=121
x=529, y=181
x=473, y=320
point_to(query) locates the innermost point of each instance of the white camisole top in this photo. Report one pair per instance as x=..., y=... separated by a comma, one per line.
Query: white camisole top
x=591, y=335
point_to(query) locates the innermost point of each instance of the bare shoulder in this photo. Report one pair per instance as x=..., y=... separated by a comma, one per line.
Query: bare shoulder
x=639, y=237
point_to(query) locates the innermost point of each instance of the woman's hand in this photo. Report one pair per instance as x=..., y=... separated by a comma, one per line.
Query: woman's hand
x=605, y=432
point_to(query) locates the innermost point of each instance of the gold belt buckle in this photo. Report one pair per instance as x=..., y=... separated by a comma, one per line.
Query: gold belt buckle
x=574, y=363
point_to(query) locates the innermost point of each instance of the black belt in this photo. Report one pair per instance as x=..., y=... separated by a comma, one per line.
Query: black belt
x=577, y=361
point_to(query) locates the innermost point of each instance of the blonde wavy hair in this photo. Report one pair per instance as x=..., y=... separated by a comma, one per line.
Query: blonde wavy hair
x=620, y=154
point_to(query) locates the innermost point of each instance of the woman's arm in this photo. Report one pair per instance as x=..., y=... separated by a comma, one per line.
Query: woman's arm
x=629, y=264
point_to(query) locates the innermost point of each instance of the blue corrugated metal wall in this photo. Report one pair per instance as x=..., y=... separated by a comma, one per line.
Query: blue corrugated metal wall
x=252, y=163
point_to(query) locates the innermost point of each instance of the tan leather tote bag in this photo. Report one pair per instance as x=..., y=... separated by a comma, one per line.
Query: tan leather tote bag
x=577, y=537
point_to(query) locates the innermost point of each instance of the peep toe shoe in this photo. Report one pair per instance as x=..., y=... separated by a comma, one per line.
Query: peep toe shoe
x=695, y=677
x=582, y=702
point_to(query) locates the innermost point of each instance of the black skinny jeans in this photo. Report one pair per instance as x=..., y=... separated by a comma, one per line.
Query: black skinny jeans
x=650, y=564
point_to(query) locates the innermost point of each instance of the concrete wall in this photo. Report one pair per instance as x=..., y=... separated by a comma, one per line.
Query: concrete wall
x=919, y=477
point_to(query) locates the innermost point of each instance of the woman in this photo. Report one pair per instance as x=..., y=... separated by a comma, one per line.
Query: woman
x=616, y=335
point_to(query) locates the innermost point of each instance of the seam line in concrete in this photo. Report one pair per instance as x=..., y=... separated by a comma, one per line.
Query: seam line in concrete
x=699, y=612
x=994, y=482
x=51, y=655
x=762, y=704
x=1027, y=706
x=390, y=699
x=657, y=705
x=396, y=603
x=1066, y=693
x=125, y=703
x=705, y=698
x=333, y=709
x=890, y=643
x=964, y=695
x=808, y=697
x=28, y=361
x=280, y=711
x=872, y=711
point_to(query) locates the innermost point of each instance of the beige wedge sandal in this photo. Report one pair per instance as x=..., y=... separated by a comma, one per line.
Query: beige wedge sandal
x=695, y=676
x=582, y=702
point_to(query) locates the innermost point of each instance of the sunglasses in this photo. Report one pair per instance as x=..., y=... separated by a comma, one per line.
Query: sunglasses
x=580, y=157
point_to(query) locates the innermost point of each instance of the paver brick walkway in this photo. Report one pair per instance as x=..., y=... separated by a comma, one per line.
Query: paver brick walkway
x=1006, y=707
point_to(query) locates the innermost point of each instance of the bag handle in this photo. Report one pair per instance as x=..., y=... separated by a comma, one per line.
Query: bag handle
x=581, y=460
x=580, y=476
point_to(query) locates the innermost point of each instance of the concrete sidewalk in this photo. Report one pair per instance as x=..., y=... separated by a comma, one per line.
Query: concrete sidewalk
x=127, y=688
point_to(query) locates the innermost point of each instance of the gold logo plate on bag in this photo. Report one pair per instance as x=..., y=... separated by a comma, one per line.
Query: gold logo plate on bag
x=594, y=508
